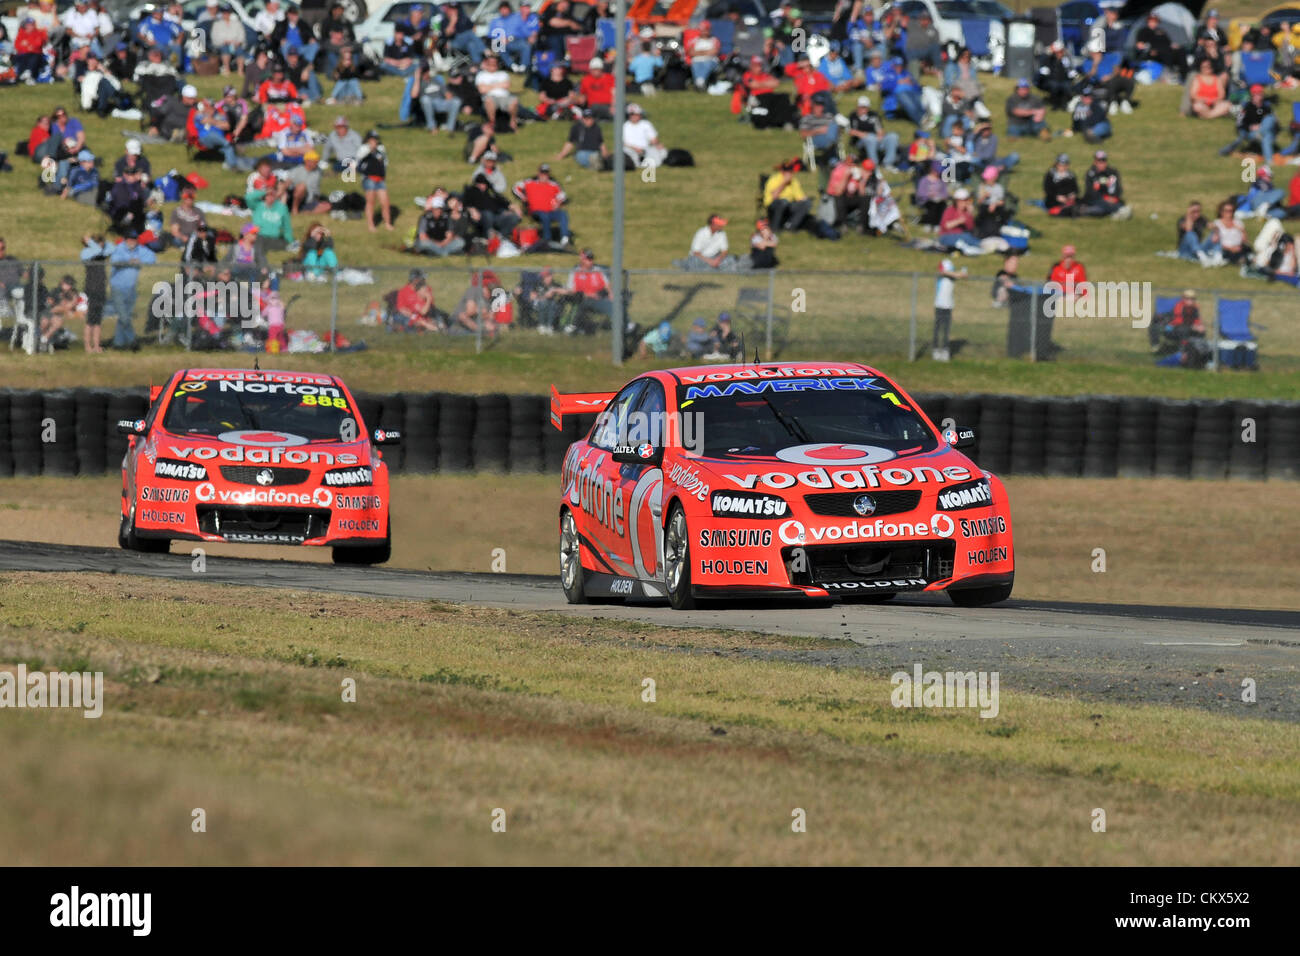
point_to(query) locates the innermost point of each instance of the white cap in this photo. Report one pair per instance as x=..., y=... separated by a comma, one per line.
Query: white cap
x=189, y=90
x=596, y=64
x=864, y=101
x=955, y=140
x=947, y=266
x=133, y=147
x=962, y=193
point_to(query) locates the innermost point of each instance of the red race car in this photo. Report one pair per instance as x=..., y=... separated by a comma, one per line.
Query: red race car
x=786, y=479
x=256, y=456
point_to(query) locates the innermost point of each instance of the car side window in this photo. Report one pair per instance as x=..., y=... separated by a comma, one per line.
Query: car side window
x=648, y=418
x=612, y=422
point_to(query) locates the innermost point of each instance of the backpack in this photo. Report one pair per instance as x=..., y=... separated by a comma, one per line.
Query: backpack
x=679, y=157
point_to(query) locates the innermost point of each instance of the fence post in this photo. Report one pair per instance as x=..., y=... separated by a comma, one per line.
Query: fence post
x=771, y=300
x=32, y=332
x=1214, y=336
x=334, y=306
x=478, y=324
x=1033, y=325
x=911, y=331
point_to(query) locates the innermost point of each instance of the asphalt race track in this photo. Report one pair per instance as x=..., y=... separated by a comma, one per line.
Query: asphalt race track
x=1194, y=657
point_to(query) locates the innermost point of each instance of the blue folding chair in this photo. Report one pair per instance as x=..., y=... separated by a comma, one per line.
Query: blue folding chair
x=543, y=60
x=1152, y=70
x=1236, y=347
x=725, y=31
x=976, y=33
x=1107, y=65
x=1257, y=67
x=605, y=35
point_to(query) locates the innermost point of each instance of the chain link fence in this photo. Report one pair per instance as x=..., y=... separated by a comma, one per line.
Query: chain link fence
x=875, y=316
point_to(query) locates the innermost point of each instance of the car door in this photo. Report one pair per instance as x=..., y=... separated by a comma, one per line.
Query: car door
x=602, y=497
x=642, y=484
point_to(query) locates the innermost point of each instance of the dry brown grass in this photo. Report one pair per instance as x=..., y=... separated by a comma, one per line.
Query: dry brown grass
x=1192, y=543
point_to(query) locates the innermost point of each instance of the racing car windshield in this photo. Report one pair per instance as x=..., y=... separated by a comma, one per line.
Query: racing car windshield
x=313, y=412
x=759, y=418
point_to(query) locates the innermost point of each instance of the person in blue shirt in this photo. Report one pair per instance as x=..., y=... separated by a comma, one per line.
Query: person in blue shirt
x=400, y=57
x=163, y=34
x=837, y=72
x=294, y=33
x=864, y=37
x=214, y=129
x=530, y=24
x=82, y=183
x=644, y=65
x=457, y=25
x=507, y=37
x=875, y=72
x=902, y=93
x=123, y=286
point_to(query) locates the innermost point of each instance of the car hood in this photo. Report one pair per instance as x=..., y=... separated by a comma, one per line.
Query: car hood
x=261, y=447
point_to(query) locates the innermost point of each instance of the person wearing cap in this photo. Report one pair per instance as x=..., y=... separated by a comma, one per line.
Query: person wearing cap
x=29, y=60
x=170, y=119
x=123, y=285
x=277, y=88
x=555, y=94
x=1210, y=29
x=304, y=185
x=659, y=340
x=698, y=340
x=645, y=67
x=509, y=36
x=82, y=182
x=586, y=143
x=1183, y=323
x=944, y=295
x=372, y=167
x=596, y=90
x=703, y=51
x=293, y=143
x=589, y=291
x=543, y=199
x=1026, y=114
x=784, y=200
x=157, y=32
x=185, y=219
x=1105, y=33
x=133, y=162
x=437, y=99
x=1152, y=44
x=126, y=201
x=489, y=196
x=493, y=85
x=1255, y=121
x=709, y=249
x=81, y=28
x=901, y=94
x=227, y=39
x=1263, y=198
x=808, y=82
x=341, y=146
x=1208, y=95
x=1103, y=192
x=1089, y=117
x=868, y=135
x=293, y=33
x=957, y=225
x=762, y=245
x=299, y=71
x=641, y=139
x=923, y=49
x=1060, y=188
x=1069, y=275
x=1055, y=76
x=434, y=235
x=200, y=248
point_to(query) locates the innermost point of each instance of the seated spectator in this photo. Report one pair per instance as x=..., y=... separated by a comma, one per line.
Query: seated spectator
x=596, y=90
x=589, y=291
x=1283, y=263
x=544, y=200
x=960, y=75
x=434, y=235
x=726, y=343
x=645, y=66
x=807, y=82
x=488, y=194
x=1225, y=239
x=555, y=95
x=493, y=84
x=850, y=186
x=1026, y=114
x=400, y=56
x=1115, y=87
x=902, y=94
x=957, y=226
x=256, y=72
x=838, y=73
x=82, y=183
x=698, y=339
x=868, y=135
x=1152, y=44
x=277, y=88
x=783, y=198
x=709, y=249
x=704, y=51
x=304, y=183
x=991, y=212
x=1103, y=193
x=185, y=219
x=38, y=138
x=475, y=310
x=557, y=23
x=342, y=146
x=292, y=144
x=459, y=30
x=246, y=257
x=542, y=298
x=212, y=131
x=413, y=306
x=924, y=51
x=299, y=72
x=1061, y=188
x=509, y=36
x=641, y=139
x=30, y=61
x=1056, y=76
x=1069, y=274
x=1089, y=117
x=1209, y=95
x=122, y=62
x=984, y=148
x=1262, y=198
x=1170, y=332
x=819, y=127
x=66, y=304
x=101, y=92
x=347, y=84
x=126, y=199
x=201, y=247
x=1191, y=229
x=957, y=112
x=931, y=196
x=170, y=119
x=762, y=246
x=658, y=340
x=155, y=32
x=1255, y=121
x=294, y=35
x=228, y=41
x=586, y=143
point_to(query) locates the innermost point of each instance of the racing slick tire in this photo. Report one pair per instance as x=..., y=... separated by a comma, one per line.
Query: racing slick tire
x=128, y=540
x=367, y=554
x=677, y=561
x=981, y=597
x=573, y=576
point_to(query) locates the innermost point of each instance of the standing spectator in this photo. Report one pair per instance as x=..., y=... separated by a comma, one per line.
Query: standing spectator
x=342, y=147
x=94, y=253
x=1026, y=114
x=493, y=84
x=1060, y=188
x=641, y=139
x=586, y=142
x=372, y=166
x=762, y=246
x=596, y=90
x=126, y=261
x=783, y=198
x=944, y=287
x=544, y=200
x=271, y=215
x=867, y=131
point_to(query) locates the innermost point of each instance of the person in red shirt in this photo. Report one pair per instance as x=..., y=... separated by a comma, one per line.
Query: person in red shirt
x=29, y=50
x=1069, y=274
x=544, y=200
x=807, y=81
x=753, y=82
x=589, y=288
x=414, y=304
x=596, y=91
x=277, y=89
x=41, y=132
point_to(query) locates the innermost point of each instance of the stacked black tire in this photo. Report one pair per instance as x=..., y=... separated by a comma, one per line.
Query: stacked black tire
x=492, y=433
x=1067, y=429
x=92, y=428
x=456, y=433
x=26, y=409
x=420, y=432
x=1135, y=450
x=1284, y=442
x=530, y=416
x=6, y=440
x=1101, y=437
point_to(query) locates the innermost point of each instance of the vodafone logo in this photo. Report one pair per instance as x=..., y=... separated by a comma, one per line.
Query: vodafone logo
x=262, y=438
x=942, y=526
x=323, y=497
x=791, y=532
x=205, y=491
x=835, y=454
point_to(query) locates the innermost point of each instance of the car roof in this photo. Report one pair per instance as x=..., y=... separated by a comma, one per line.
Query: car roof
x=246, y=372
x=751, y=366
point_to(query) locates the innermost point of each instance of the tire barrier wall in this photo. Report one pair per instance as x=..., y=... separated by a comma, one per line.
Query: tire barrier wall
x=74, y=432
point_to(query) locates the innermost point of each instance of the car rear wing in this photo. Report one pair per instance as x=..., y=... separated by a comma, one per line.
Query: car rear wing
x=576, y=403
